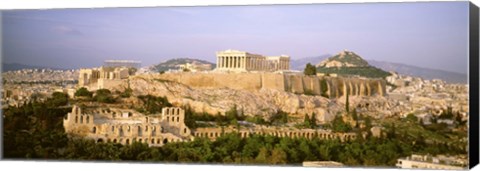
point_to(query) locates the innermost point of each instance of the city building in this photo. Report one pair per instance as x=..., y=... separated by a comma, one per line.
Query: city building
x=194, y=67
x=429, y=162
x=240, y=61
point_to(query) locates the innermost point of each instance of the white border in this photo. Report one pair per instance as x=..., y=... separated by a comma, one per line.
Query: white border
x=51, y=4
x=55, y=4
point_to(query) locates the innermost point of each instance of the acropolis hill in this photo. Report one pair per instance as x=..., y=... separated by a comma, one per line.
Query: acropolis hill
x=257, y=85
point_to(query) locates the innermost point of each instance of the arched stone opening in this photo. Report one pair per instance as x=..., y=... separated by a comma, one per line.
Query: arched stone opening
x=81, y=119
x=152, y=141
x=114, y=140
x=127, y=141
x=139, y=131
x=165, y=141
x=100, y=140
x=88, y=119
x=154, y=131
x=94, y=130
x=120, y=132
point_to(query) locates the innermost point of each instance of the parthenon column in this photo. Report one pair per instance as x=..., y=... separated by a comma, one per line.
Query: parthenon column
x=243, y=63
x=225, y=63
x=236, y=61
x=220, y=62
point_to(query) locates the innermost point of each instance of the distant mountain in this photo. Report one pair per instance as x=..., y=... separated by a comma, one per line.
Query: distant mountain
x=344, y=59
x=16, y=66
x=425, y=73
x=404, y=69
x=349, y=63
x=299, y=64
x=173, y=63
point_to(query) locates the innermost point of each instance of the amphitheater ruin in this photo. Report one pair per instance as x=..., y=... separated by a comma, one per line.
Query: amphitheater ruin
x=126, y=126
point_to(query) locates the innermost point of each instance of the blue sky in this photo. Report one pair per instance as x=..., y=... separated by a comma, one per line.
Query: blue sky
x=431, y=35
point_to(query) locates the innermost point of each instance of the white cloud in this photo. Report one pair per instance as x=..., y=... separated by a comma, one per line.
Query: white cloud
x=67, y=30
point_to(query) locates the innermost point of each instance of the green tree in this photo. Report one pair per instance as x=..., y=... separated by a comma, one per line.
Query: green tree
x=278, y=156
x=127, y=92
x=412, y=118
x=154, y=104
x=306, y=122
x=83, y=92
x=310, y=70
x=338, y=125
x=104, y=96
x=313, y=120
x=355, y=115
x=58, y=99
x=263, y=156
x=347, y=104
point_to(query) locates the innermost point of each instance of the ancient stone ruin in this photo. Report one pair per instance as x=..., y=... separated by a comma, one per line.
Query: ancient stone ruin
x=125, y=126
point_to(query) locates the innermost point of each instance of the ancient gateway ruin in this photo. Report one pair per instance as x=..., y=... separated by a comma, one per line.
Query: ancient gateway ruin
x=240, y=61
x=125, y=126
x=102, y=77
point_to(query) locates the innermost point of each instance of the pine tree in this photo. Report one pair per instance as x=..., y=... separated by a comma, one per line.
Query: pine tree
x=347, y=104
x=306, y=121
x=313, y=120
x=310, y=70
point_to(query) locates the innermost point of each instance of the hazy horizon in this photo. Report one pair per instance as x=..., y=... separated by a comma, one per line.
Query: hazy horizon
x=424, y=34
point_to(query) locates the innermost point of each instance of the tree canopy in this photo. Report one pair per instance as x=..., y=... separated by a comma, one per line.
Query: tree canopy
x=83, y=92
x=310, y=69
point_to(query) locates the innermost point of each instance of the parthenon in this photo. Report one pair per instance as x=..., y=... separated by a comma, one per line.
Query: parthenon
x=234, y=60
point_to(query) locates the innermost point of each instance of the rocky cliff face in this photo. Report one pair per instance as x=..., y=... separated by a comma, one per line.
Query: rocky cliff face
x=264, y=102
